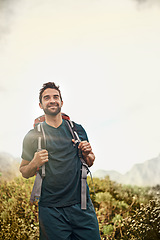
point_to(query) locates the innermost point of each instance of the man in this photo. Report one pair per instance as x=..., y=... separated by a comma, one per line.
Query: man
x=60, y=213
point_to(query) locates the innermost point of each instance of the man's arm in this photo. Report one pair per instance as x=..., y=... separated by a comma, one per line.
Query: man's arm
x=29, y=168
x=89, y=159
x=87, y=152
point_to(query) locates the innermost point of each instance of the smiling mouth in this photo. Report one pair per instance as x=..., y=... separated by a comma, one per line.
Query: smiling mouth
x=52, y=107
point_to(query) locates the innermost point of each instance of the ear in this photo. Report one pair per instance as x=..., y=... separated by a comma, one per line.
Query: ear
x=61, y=103
x=40, y=105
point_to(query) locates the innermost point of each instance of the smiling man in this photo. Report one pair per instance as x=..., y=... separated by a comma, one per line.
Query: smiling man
x=60, y=214
x=52, y=102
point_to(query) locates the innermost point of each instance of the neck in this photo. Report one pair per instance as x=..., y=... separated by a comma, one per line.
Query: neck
x=54, y=121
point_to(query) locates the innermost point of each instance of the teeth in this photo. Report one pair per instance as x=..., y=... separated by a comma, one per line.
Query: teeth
x=52, y=106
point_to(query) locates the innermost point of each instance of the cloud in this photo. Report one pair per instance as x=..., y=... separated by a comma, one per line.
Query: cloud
x=6, y=14
x=104, y=56
x=149, y=3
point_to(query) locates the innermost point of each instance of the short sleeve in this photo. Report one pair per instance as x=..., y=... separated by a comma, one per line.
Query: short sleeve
x=29, y=146
x=81, y=132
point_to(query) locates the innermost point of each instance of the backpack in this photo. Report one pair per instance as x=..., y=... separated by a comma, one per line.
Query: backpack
x=36, y=191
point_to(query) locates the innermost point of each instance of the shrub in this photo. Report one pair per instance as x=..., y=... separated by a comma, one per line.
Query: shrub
x=145, y=223
x=18, y=219
x=115, y=204
x=123, y=212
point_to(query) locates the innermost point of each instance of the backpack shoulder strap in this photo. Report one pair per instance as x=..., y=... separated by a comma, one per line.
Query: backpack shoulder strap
x=85, y=168
x=73, y=131
x=41, y=142
x=36, y=191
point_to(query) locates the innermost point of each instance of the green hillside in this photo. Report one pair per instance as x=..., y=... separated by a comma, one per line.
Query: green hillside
x=124, y=212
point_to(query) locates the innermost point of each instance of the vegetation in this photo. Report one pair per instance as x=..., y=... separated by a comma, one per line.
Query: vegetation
x=123, y=212
x=18, y=219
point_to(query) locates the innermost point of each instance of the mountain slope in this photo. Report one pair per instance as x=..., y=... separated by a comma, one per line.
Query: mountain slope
x=9, y=166
x=144, y=174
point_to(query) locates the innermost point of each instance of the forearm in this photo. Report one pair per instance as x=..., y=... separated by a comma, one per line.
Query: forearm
x=89, y=159
x=28, y=169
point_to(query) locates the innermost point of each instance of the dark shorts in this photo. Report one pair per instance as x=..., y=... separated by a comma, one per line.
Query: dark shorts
x=68, y=223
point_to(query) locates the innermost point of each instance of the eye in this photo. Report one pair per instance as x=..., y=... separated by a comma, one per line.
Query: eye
x=56, y=97
x=46, y=97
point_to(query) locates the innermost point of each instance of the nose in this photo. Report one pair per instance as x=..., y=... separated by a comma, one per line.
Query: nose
x=52, y=100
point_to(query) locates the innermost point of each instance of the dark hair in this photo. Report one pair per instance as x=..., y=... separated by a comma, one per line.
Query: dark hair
x=48, y=85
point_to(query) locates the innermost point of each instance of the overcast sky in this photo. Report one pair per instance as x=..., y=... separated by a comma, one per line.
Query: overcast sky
x=105, y=56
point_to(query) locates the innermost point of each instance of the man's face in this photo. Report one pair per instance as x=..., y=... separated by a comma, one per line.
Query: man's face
x=51, y=102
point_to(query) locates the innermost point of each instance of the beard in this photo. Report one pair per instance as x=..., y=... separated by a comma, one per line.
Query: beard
x=57, y=110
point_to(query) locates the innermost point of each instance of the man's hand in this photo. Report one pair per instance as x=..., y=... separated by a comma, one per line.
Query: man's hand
x=29, y=168
x=40, y=158
x=87, y=153
x=85, y=147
